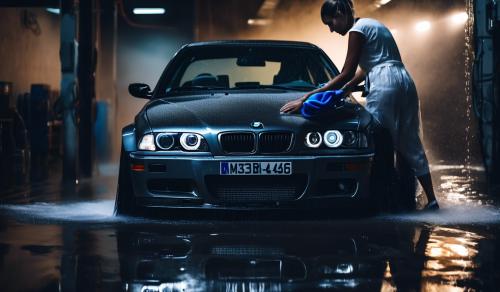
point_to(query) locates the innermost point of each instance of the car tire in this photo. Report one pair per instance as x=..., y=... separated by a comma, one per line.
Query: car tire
x=125, y=200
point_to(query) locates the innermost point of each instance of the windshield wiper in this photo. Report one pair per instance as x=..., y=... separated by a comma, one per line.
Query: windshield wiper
x=197, y=87
x=291, y=87
x=282, y=87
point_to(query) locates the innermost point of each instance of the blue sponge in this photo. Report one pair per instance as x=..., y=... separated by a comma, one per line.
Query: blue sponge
x=319, y=104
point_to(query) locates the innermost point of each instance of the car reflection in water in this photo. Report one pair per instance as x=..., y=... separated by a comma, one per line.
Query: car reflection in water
x=273, y=262
x=258, y=256
x=235, y=262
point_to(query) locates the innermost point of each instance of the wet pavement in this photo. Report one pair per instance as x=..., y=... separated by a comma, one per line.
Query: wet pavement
x=55, y=237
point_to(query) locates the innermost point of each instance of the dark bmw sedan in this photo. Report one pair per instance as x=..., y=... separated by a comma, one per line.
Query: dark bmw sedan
x=212, y=135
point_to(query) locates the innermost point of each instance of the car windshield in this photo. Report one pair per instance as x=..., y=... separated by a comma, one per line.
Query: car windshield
x=226, y=68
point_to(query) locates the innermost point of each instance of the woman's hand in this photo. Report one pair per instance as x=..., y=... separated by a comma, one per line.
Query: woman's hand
x=293, y=106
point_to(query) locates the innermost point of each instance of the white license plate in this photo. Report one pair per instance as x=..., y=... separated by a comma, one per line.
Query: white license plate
x=256, y=168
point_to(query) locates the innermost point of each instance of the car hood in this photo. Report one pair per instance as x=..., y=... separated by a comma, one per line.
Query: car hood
x=231, y=111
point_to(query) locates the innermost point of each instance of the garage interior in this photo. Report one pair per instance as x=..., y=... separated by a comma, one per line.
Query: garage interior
x=64, y=76
x=105, y=47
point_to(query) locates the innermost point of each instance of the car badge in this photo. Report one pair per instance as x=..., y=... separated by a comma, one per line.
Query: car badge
x=257, y=125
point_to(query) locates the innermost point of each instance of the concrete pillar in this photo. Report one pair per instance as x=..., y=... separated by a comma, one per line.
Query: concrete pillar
x=68, y=56
x=86, y=85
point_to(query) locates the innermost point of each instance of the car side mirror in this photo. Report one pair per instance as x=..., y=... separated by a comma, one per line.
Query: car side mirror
x=140, y=90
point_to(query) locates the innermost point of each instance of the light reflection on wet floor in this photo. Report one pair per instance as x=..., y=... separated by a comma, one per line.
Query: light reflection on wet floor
x=48, y=234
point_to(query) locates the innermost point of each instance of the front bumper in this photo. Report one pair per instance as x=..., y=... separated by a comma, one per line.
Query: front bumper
x=195, y=182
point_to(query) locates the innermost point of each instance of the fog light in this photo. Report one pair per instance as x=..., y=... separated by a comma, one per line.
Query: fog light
x=333, y=138
x=165, y=141
x=137, y=167
x=313, y=140
x=354, y=166
x=190, y=141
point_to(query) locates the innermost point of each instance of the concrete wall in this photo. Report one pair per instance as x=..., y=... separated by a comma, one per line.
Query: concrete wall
x=142, y=54
x=29, y=48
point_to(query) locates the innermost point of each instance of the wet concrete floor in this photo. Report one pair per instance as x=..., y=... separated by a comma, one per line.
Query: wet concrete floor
x=55, y=237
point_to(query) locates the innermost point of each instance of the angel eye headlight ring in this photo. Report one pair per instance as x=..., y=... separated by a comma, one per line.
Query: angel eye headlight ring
x=313, y=140
x=190, y=141
x=333, y=138
x=165, y=141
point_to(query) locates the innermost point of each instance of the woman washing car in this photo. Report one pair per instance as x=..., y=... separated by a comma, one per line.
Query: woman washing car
x=392, y=98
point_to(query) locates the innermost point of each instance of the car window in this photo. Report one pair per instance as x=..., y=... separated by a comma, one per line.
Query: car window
x=227, y=73
x=204, y=68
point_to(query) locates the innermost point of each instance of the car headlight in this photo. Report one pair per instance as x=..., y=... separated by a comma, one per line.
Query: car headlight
x=350, y=139
x=147, y=143
x=313, y=140
x=333, y=138
x=354, y=139
x=165, y=141
x=190, y=141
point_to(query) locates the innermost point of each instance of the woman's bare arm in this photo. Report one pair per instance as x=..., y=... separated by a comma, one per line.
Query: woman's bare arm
x=354, y=49
x=357, y=79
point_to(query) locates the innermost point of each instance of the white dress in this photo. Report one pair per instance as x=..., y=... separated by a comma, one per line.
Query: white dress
x=392, y=98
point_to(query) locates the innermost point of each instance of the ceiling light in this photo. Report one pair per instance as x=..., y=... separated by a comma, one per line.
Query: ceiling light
x=459, y=18
x=53, y=10
x=423, y=26
x=149, y=10
x=259, y=21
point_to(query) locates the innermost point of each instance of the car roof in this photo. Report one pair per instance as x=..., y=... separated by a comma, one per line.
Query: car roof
x=272, y=43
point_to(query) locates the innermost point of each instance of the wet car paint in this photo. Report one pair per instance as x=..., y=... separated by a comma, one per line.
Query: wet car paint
x=66, y=238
